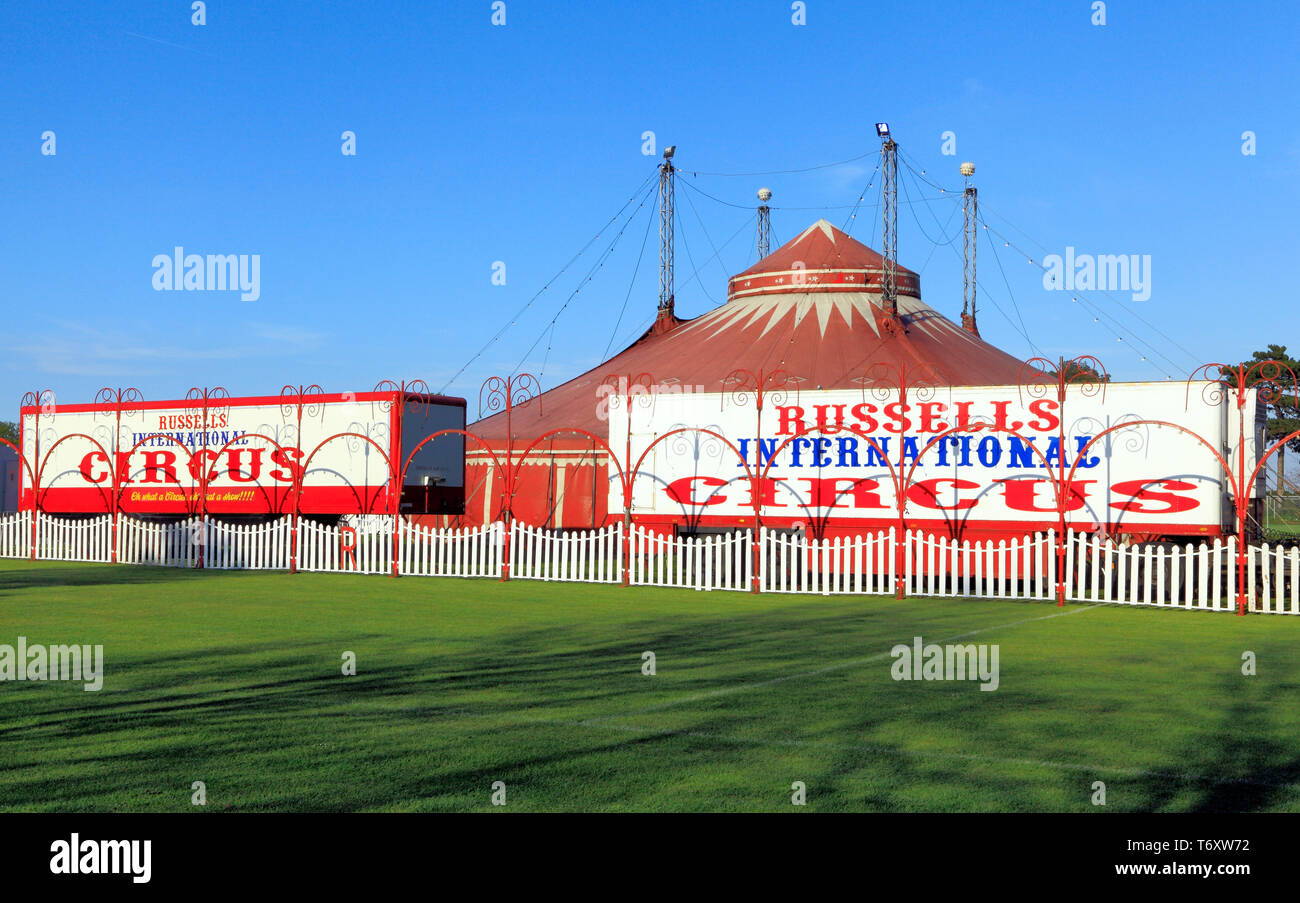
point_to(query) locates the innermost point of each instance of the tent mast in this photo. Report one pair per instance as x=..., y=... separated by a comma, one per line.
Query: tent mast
x=889, y=189
x=666, y=234
x=970, y=215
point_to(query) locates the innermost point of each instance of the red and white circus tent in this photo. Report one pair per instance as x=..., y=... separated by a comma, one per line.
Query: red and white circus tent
x=813, y=309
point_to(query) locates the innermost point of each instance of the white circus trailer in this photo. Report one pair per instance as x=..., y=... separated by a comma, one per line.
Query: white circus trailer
x=342, y=450
x=836, y=458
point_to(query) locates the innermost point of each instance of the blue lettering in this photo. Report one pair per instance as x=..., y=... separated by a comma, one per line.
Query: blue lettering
x=910, y=449
x=1021, y=453
x=1053, y=454
x=822, y=451
x=848, y=451
x=963, y=459
x=1082, y=442
x=794, y=450
x=943, y=450
x=876, y=450
x=990, y=451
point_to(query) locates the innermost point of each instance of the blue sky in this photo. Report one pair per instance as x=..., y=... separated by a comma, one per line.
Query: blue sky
x=517, y=143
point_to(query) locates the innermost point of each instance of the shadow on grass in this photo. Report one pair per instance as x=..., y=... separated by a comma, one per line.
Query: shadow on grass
x=437, y=712
x=271, y=701
x=47, y=574
x=1242, y=768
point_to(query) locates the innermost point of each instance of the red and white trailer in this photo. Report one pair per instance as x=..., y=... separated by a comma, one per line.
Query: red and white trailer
x=313, y=453
x=1147, y=459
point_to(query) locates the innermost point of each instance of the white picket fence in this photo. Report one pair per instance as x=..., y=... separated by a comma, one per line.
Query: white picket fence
x=1023, y=568
x=448, y=552
x=703, y=563
x=421, y=551
x=160, y=545
x=364, y=551
x=585, y=556
x=73, y=540
x=1192, y=575
x=786, y=563
x=1279, y=573
x=1197, y=576
x=16, y=535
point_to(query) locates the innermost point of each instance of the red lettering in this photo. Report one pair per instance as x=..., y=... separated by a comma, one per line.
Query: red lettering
x=1022, y=494
x=926, y=494
x=124, y=466
x=89, y=461
x=791, y=420
x=825, y=492
x=963, y=415
x=348, y=544
x=159, y=461
x=1000, y=418
x=821, y=491
x=897, y=411
x=929, y=411
x=766, y=494
x=1172, y=502
x=864, y=495
x=1044, y=407
x=196, y=463
x=822, y=424
x=233, y=469
x=681, y=491
x=287, y=458
x=862, y=413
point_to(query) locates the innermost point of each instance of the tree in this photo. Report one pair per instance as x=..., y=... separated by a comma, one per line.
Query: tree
x=9, y=430
x=1281, y=408
x=1077, y=372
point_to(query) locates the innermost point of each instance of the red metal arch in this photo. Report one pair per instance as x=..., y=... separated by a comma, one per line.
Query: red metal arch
x=749, y=474
x=306, y=464
x=496, y=462
x=427, y=439
x=1083, y=452
x=820, y=522
x=23, y=458
x=206, y=479
x=120, y=485
x=691, y=429
x=1259, y=467
x=1058, y=489
x=830, y=430
x=1233, y=480
x=45, y=460
x=987, y=428
x=601, y=443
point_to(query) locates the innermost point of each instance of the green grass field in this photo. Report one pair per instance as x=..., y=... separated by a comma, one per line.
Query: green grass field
x=234, y=679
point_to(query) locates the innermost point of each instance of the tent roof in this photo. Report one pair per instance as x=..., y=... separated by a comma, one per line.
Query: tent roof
x=821, y=258
x=829, y=334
